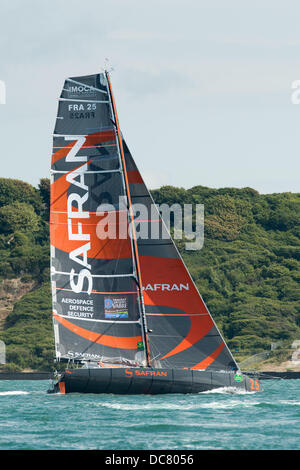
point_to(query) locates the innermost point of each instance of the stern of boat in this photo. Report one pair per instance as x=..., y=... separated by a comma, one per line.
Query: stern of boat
x=57, y=384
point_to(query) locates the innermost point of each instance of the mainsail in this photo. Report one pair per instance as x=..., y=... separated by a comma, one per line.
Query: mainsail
x=96, y=312
x=123, y=299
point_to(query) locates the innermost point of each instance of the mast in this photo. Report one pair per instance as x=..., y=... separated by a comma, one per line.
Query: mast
x=131, y=215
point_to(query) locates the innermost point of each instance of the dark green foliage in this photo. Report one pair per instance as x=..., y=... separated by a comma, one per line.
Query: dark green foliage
x=24, y=229
x=248, y=271
x=28, y=331
x=12, y=190
x=18, y=216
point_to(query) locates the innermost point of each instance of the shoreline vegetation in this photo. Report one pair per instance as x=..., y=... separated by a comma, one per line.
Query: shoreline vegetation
x=248, y=272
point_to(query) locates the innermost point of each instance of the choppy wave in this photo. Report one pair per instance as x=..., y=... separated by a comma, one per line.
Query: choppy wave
x=176, y=406
x=227, y=390
x=218, y=419
x=13, y=392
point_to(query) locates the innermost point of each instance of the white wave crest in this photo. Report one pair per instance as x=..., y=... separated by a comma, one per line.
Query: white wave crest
x=228, y=390
x=176, y=406
x=15, y=392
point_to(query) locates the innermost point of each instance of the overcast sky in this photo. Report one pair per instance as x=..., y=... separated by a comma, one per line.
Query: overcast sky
x=202, y=87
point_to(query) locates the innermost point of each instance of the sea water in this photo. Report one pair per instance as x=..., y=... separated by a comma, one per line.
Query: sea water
x=218, y=420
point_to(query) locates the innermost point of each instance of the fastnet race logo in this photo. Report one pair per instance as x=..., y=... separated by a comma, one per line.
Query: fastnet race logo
x=155, y=222
x=2, y=92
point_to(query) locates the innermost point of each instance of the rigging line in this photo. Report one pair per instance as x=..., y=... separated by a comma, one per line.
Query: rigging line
x=132, y=219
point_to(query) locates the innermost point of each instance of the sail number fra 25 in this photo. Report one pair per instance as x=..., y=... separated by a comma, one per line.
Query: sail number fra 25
x=82, y=111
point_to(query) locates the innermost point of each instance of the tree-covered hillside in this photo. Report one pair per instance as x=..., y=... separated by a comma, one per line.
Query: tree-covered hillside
x=248, y=270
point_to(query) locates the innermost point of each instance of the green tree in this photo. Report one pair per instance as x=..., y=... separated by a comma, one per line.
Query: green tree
x=13, y=190
x=18, y=216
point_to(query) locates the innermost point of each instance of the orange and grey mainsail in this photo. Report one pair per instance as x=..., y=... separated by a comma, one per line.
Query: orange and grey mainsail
x=117, y=297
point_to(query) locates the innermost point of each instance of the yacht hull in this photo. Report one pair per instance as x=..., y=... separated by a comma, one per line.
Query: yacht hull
x=132, y=381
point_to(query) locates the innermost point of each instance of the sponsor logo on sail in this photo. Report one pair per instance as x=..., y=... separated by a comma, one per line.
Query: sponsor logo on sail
x=167, y=287
x=115, y=307
x=75, y=211
x=83, y=355
x=77, y=91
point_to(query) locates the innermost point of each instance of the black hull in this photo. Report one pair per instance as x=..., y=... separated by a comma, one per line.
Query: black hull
x=134, y=381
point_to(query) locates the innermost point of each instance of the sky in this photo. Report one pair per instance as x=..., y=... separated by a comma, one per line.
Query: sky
x=203, y=88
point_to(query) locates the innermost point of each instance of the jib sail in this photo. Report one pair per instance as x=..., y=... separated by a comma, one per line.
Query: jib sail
x=181, y=331
x=96, y=307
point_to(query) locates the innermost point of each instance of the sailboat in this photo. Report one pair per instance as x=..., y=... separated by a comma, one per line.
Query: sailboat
x=127, y=316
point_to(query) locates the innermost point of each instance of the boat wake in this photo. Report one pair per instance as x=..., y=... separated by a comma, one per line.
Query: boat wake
x=227, y=390
x=151, y=407
x=14, y=392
